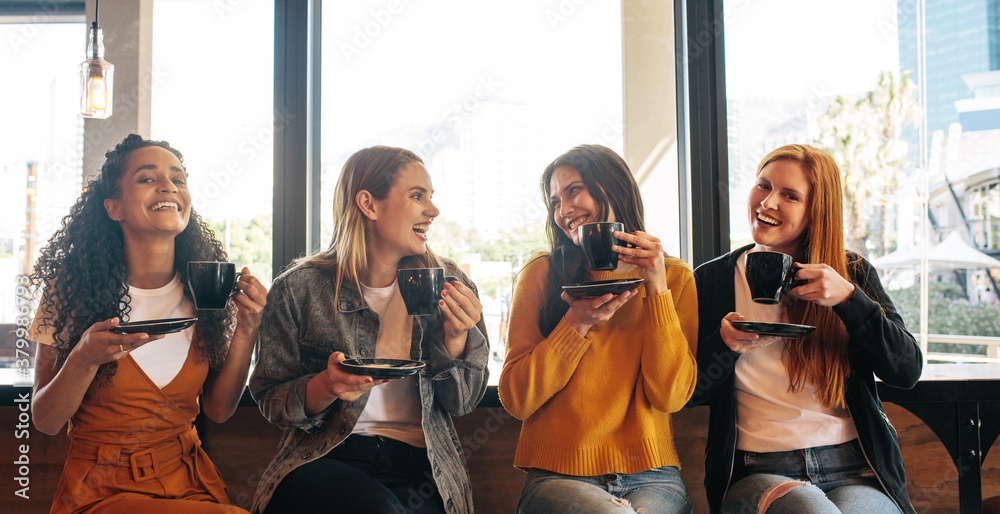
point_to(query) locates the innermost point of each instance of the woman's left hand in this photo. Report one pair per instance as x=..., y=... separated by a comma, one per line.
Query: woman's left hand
x=250, y=302
x=647, y=253
x=461, y=310
x=823, y=286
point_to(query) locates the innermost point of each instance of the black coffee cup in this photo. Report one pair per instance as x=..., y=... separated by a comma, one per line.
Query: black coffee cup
x=212, y=283
x=421, y=289
x=769, y=275
x=596, y=241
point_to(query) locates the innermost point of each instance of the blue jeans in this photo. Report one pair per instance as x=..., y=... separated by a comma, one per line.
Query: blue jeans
x=655, y=491
x=836, y=479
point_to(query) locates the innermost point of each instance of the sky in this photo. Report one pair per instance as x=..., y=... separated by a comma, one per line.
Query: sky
x=786, y=57
x=794, y=48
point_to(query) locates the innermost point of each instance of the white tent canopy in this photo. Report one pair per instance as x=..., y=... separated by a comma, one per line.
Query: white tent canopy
x=951, y=253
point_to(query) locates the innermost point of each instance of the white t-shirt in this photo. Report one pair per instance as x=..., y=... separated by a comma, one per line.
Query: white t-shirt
x=770, y=418
x=393, y=409
x=162, y=359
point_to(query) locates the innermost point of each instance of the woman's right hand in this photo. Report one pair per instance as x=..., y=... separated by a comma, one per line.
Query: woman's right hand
x=739, y=341
x=343, y=385
x=98, y=346
x=584, y=313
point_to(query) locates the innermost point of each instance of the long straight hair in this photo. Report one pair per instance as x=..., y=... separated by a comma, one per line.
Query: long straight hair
x=609, y=181
x=376, y=170
x=819, y=358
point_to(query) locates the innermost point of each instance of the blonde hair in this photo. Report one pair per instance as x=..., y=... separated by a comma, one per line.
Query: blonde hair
x=376, y=170
x=819, y=358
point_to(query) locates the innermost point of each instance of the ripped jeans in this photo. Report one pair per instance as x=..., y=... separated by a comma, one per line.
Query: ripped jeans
x=656, y=491
x=837, y=479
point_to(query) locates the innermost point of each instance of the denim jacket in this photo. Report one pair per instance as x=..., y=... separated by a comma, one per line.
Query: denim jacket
x=302, y=325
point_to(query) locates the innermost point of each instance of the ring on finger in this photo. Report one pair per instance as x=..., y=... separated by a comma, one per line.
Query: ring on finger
x=122, y=348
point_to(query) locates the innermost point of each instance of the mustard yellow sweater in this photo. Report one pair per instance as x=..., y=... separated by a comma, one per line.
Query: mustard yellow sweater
x=600, y=404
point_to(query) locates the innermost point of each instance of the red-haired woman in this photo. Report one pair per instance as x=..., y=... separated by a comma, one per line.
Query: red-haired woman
x=796, y=423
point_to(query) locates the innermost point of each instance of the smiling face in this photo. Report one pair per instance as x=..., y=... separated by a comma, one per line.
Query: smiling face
x=571, y=202
x=398, y=224
x=154, y=199
x=778, y=207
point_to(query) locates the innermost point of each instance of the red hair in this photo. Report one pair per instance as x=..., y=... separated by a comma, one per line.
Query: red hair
x=819, y=358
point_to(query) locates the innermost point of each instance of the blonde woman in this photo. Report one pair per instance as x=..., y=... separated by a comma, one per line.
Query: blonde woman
x=351, y=442
x=796, y=423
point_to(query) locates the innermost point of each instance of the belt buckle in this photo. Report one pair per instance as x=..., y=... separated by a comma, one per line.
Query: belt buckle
x=141, y=461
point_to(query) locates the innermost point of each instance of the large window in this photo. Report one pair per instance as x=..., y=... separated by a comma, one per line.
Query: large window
x=41, y=143
x=851, y=83
x=487, y=94
x=212, y=99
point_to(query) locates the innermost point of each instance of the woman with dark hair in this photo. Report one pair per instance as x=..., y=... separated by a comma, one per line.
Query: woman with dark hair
x=121, y=255
x=796, y=423
x=594, y=380
x=351, y=442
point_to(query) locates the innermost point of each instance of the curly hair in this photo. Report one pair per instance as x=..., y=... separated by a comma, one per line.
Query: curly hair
x=82, y=270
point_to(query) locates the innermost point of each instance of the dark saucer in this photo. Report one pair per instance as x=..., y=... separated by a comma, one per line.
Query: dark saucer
x=382, y=368
x=602, y=287
x=154, y=326
x=773, y=329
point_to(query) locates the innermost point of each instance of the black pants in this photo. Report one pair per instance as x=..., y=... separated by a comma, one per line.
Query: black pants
x=363, y=474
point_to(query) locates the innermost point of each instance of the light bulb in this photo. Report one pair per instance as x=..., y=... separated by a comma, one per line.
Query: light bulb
x=97, y=94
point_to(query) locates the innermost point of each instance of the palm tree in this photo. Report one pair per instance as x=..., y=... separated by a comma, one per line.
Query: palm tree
x=865, y=138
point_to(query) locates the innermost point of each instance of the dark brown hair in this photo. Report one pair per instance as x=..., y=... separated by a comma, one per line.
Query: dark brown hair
x=612, y=186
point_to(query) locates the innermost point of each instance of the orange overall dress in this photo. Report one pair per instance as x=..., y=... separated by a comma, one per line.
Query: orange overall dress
x=134, y=447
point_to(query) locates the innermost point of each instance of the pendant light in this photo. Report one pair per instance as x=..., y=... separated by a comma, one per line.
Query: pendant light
x=97, y=75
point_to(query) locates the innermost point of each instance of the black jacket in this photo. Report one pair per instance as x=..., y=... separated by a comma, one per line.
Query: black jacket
x=879, y=345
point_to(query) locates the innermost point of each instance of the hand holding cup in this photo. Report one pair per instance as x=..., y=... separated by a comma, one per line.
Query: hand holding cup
x=820, y=284
x=645, y=251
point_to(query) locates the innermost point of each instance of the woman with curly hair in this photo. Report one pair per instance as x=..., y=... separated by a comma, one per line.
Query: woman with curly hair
x=121, y=255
